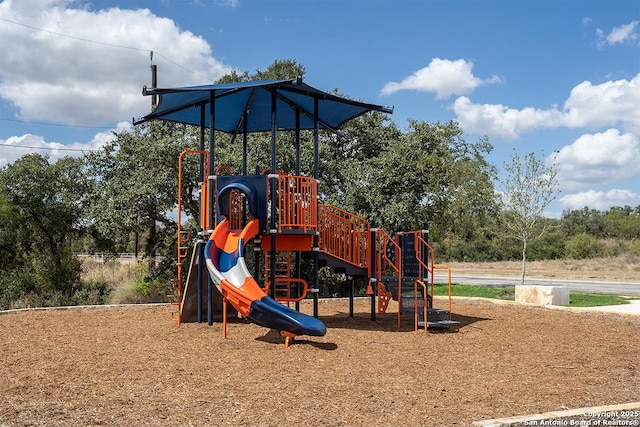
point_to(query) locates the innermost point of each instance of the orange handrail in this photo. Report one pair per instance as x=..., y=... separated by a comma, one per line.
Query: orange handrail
x=384, y=263
x=431, y=267
x=286, y=289
x=184, y=236
x=297, y=202
x=424, y=303
x=344, y=235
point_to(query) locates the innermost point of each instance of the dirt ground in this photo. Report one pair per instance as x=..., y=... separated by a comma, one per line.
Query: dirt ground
x=133, y=366
x=621, y=268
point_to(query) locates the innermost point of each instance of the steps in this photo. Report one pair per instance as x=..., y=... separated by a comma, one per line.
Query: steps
x=412, y=302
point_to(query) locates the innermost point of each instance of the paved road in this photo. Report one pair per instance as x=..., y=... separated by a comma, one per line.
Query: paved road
x=619, y=288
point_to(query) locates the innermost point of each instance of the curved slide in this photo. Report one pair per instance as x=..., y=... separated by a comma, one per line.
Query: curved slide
x=225, y=261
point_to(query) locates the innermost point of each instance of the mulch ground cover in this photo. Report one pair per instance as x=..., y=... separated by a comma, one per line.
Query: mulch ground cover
x=132, y=366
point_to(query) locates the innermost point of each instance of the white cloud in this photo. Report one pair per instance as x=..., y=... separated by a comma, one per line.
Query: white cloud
x=600, y=200
x=598, y=159
x=71, y=65
x=620, y=34
x=15, y=147
x=590, y=106
x=499, y=121
x=442, y=76
x=606, y=104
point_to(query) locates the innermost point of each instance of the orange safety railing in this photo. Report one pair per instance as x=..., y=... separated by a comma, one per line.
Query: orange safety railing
x=297, y=202
x=344, y=235
x=236, y=199
x=284, y=286
x=386, y=266
x=421, y=246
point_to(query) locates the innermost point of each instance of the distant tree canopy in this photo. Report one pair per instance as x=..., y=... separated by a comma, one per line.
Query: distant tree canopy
x=401, y=179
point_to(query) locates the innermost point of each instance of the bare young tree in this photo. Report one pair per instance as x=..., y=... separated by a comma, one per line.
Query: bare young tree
x=528, y=186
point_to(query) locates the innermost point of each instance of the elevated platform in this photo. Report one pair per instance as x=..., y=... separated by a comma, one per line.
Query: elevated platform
x=347, y=268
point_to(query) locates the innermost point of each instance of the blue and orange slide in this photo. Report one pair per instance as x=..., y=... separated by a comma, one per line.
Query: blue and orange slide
x=225, y=261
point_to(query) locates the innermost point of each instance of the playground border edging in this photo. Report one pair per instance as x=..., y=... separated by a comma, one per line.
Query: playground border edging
x=593, y=411
x=82, y=307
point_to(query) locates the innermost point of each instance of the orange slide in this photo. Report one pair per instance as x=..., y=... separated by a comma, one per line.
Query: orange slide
x=224, y=258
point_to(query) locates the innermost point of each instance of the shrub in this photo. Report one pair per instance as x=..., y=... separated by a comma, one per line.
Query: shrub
x=582, y=246
x=92, y=293
x=634, y=247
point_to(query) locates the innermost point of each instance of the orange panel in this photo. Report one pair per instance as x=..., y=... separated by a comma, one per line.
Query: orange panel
x=289, y=242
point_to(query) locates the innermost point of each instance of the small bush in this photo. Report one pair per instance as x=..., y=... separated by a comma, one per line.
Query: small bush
x=582, y=246
x=92, y=293
x=143, y=291
x=634, y=247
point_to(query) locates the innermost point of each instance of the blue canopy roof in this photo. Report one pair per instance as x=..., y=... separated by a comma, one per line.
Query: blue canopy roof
x=184, y=105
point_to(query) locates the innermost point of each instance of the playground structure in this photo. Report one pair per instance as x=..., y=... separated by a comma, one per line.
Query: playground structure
x=280, y=215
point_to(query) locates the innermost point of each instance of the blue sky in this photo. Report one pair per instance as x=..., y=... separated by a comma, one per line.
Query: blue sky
x=535, y=76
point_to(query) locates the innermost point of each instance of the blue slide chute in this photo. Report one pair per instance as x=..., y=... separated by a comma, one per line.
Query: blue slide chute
x=225, y=261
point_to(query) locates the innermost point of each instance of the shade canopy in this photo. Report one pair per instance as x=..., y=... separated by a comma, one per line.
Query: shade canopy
x=291, y=98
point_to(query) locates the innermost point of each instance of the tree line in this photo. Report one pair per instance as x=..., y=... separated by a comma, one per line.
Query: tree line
x=123, y=197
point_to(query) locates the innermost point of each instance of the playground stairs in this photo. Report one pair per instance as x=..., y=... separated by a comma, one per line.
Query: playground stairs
x=412, y=301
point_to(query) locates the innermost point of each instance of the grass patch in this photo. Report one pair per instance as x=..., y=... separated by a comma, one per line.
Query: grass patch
x=576, y=298
x=494, y=292
x=586, y=299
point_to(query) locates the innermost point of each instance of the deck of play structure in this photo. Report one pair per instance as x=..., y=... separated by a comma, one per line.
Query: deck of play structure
x=279, y=214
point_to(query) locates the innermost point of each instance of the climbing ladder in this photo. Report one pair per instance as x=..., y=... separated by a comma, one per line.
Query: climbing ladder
x=287, y=289
x=184, y=237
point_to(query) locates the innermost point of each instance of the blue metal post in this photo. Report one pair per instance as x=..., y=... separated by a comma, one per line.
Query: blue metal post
x=212, y=139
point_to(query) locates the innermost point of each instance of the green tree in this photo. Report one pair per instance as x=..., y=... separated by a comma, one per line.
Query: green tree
x=428, y=174
x=47, y=206
x=584, y=220
x=622, y=222
x=528, y=186
x=8, y=232
x=135, y=182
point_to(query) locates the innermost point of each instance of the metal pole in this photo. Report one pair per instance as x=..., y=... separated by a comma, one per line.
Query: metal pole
x=212, y=126
x=200, y=247
x=316, y=176
x=297, y=143
x=374, y=270
x=273, y=182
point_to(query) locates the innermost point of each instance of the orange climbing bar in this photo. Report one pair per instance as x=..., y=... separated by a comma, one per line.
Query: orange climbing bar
x=185, y=236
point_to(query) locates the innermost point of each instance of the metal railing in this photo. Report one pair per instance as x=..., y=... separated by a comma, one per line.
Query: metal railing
x=344, y=235
x=297, y=203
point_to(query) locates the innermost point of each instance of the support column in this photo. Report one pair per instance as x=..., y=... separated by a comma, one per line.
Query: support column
x=202, y=273
x=374, y=270
x=212, y=195
x=298, y=172
x=316, y=176
x=351, y=284
x=273, y=182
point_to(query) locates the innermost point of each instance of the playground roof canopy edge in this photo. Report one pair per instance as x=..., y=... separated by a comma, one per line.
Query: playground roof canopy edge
x=190, y=104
